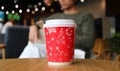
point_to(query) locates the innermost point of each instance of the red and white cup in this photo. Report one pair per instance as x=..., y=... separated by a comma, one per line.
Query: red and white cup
x=60, y=36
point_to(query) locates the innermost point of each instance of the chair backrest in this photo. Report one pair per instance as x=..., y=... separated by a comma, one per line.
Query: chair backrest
x=16, y=38
x=2, y=36
x=99, y=46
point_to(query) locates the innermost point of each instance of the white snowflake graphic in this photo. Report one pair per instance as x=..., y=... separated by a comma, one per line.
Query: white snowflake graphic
x=52, y=38
x=52, y=30
x=46, y=33
x=57, y=48
x=66, y=30
x=48, y=42
x=61, y=53
x=63, y=37
x=58, y=42
x=50, y=48
x=50, y=54
x=64, y=42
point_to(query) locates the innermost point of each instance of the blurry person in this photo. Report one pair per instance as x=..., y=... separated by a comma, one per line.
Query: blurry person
x=7, y=24
x=41, y=37
x=48, y=2
x=35, y=47
x=85, y=34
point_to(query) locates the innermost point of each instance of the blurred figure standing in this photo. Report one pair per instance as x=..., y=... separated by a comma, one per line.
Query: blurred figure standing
x=7, y=24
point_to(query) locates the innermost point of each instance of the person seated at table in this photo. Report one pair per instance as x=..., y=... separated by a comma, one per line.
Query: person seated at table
x=85, y=33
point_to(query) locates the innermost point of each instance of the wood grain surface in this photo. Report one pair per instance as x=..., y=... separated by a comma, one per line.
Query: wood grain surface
x=41, y=64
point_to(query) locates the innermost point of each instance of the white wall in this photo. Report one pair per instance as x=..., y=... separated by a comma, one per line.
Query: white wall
x=97, y=9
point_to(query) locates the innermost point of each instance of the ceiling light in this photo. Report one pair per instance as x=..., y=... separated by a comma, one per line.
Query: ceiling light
x=43, y=8
x=36, y=9
x=7, y=12
x=55, y=0
x=33, y=12
x=20, y=11
x=82, y=0
x=2, y=7
x=30, y=6
x=16, y=6
x=28, y=10
x=39, y=3
x=52, y=10
x=13, y=11
x=15, y=1
x=35, y=6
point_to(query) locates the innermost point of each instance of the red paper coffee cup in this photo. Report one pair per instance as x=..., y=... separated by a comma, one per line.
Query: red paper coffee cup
x=60, y=35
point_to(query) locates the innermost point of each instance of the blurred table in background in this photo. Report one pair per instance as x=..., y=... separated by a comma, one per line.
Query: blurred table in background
x=41, y=64
x=2, y=47
x=117, y=58
x=99, y=47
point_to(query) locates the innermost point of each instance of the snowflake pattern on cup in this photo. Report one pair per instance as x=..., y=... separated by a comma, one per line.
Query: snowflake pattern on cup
x=60, y=43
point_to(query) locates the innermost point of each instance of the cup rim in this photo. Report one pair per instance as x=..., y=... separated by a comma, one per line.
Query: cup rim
x=60, y=23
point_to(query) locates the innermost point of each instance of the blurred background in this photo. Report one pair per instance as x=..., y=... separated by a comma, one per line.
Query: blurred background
x=27, y=12
x=106, y=13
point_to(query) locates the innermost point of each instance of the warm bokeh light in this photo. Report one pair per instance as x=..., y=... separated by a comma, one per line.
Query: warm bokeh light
x=52, y=10
x=15, y=1
x=7, y=12
x=39, y=3
x=33, y=12
x=35, y=6
x=16, y=6
x=43, y=8
x=36, y=9
x=55, y=0
x=2, y=7
x=13, y=11
x=20, y=11
x=28, y=10
x=82, y=0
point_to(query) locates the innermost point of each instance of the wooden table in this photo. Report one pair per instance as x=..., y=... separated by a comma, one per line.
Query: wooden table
x=41, y=65
x=2, y=47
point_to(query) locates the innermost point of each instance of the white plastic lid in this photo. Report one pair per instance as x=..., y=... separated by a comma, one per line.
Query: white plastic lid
x=60, y=23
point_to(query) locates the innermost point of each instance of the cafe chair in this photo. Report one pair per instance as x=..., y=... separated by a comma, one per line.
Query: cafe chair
x=2, y=36
x=99, y=47
x=16, y=38
x=2, y=48
x=2, y=45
